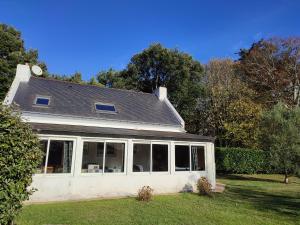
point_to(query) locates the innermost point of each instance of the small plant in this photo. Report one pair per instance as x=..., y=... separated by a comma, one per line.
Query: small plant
x=204, y=187
x=145, y=194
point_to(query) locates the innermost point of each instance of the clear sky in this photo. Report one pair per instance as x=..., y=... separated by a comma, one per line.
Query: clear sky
x=89, y=36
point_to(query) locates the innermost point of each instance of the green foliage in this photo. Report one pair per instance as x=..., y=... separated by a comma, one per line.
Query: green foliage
x=20, y=155
x=13, y=52
x=242, y=123
x=242, y=161
x=280, y=137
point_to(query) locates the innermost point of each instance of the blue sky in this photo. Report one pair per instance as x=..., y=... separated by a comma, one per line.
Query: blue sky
x=90, y=36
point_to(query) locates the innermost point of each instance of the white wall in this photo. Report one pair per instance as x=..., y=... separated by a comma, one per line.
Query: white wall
x=55, y=187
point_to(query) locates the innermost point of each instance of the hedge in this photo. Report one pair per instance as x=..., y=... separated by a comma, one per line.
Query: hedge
x=242, y=160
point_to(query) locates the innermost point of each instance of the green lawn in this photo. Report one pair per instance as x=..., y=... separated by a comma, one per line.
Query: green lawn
x=259, y=199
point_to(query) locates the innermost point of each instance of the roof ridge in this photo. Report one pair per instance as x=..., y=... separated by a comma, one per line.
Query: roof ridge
x=91, y=85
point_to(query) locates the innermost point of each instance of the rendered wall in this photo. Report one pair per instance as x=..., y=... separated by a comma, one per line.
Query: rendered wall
x=56, y=187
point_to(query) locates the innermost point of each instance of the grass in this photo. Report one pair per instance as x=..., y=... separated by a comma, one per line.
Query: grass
x=257, y=199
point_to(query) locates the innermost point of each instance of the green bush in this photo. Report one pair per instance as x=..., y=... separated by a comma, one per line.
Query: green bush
x=20, y=155
x=242, y=160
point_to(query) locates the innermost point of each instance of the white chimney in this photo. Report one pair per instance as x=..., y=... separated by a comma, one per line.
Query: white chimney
x=23, y=74
x=161, y=93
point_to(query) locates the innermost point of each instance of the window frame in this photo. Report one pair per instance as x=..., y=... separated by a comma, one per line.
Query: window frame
x=41, y=97
x=102, y=140
x=190, y=144
x=105, y=111
x=151, y=160
x=58, y=138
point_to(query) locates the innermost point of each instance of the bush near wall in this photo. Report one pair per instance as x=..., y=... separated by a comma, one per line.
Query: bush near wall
x=242, y=160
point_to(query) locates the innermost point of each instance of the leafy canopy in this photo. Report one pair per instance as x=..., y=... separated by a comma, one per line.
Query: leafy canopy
x=280, y=136
x=13, y=52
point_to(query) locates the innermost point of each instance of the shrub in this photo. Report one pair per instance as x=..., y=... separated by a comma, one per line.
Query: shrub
x=204, y=187
x=145, y=194
x=242, y=160
x=20, y=155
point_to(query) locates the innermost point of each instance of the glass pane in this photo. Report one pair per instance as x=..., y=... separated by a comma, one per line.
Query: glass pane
x=198, y=160
x=105, y=107
x=60, y=157
x=182, y=158
x=42, y=101
x=92, y=158
x=141, y=158
x=114, y=157
x=41, y=167
x=160, y=157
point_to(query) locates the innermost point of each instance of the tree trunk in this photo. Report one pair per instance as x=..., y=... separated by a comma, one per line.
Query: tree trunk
x=286, y=179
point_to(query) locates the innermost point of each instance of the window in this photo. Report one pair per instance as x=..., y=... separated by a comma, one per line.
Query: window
x=160, y=157
x=189, y=158
x=182, y=158
x=92, y=160
x=114, y=157
x=100, y=107
x=99, y=157
x=141, y=157
x=60, y=157
x=57, y=158
x=198, y=158
x=42, y=101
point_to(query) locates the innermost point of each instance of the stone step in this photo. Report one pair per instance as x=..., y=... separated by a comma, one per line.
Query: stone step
x=219, y=188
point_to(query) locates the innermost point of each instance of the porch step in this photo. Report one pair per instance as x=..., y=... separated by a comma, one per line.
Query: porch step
x=219, y=188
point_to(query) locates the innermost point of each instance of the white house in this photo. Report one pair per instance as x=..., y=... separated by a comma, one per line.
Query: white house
x=105, y=142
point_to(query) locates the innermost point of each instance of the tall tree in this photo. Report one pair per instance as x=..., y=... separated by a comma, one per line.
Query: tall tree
x=158, y=66
x=12, y=52
x=272, y=68
x=228, y=111
x=280, y=136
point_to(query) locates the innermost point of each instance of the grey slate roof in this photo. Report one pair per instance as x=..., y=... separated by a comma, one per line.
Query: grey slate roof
x=72, y=99
x=117, y=133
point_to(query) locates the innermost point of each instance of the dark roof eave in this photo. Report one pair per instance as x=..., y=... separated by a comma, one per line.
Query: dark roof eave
x=55, y=129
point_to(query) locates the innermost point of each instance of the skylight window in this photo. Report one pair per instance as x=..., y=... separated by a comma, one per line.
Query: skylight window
x=101, y=107
x=42, y=101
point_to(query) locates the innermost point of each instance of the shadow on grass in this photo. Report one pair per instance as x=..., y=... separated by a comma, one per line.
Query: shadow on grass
x=265, y=201
x=239, y=177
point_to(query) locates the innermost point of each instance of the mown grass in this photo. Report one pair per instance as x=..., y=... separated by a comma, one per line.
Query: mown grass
x=258, y=199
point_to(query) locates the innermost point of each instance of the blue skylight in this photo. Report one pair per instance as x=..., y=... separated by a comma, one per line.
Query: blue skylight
x=44, y=101
x=105, y=107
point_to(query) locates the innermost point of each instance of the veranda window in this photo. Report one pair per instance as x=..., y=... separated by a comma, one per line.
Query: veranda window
x=57, y=156
x=103, y=157
x=143, y=162
x=189, y=158
x=182, y=158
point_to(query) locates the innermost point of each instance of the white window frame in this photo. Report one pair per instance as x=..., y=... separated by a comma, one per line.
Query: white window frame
x=190, y=144
x=104, y=140
x=58, y=138
x=151, y=161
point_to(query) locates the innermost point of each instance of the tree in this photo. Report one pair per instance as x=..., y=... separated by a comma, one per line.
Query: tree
x=272, y=68
x=228, y=110
x=158, y=66
x=12, y=52
x=242, y=123
x=20, y=155
x=280, y=136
